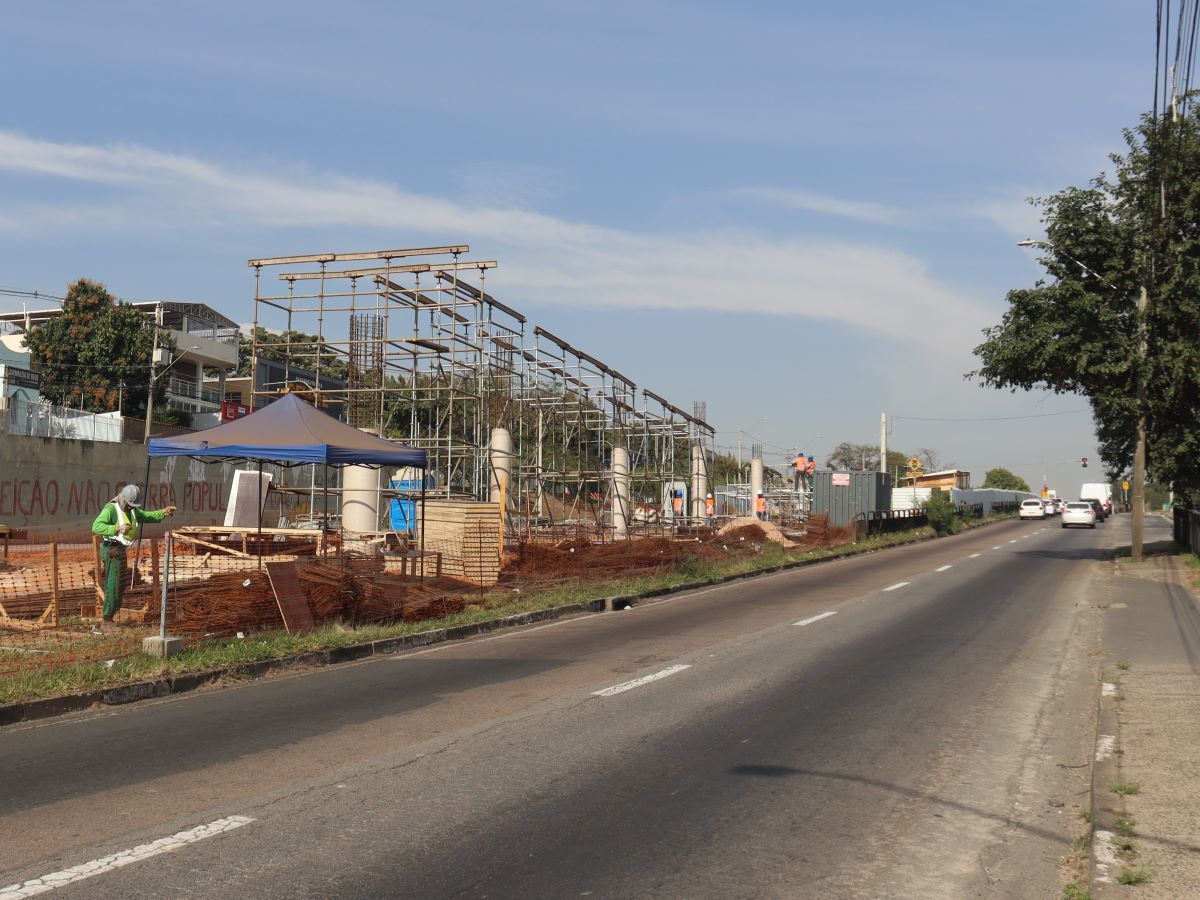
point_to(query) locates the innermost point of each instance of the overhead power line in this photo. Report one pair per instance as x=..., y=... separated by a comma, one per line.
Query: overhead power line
x=1067, y=412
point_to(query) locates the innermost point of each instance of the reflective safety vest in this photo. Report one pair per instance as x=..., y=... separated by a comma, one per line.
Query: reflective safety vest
x=760, y=505
x=812, y=466
x=798, y=464
x=710, y=508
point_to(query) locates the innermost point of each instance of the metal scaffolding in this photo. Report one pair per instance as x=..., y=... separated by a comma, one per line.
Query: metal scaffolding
x=410, y=348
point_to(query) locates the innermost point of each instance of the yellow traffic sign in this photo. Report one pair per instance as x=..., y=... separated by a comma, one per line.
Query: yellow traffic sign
x=1124, y=485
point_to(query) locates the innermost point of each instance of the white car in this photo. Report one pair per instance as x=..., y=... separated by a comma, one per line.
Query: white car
x=1032, y=509
x=1079, y=514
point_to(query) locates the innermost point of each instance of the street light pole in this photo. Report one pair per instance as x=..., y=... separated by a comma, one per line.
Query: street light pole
x=153, y=363
x=1139, y=451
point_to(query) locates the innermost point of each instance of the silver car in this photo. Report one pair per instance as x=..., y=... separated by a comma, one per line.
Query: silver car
x=1079, y=514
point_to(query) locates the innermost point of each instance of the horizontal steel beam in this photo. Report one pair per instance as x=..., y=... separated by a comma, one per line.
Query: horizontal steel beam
x=349, y=257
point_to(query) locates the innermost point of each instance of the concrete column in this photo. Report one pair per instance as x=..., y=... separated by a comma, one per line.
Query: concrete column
x=500, y=483
x=699, y=479
x=756, y=480
x=360, y=498
x=620, y=493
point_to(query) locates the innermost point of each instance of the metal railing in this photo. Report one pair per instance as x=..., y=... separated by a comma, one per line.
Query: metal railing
x=46, y=420
x=190, y=390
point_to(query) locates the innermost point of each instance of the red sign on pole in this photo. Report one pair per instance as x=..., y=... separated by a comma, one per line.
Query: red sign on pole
x=231, y=410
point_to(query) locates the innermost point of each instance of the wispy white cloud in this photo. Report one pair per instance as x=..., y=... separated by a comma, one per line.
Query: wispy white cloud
x=544, y=259
x=1012, y=214
x=807, y=201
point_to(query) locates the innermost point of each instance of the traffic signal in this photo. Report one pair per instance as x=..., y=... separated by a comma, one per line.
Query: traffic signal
x=1085, y=462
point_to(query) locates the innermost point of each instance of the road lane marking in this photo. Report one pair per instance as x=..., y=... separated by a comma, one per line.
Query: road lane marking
x=104, y=864
x=898, y=584
x=629, y=685
x=1013, y=541
x=816, y=618
x=973, y=556
x=943, y=568
x=1106, y=745
x=997, y=547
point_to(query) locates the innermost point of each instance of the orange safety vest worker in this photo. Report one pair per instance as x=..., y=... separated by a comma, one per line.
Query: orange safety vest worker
x=798, y=463
x=811, y=466
x=710, y=507
x=760, y=505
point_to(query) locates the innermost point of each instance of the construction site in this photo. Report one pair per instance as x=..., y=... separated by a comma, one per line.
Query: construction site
x=540, y=463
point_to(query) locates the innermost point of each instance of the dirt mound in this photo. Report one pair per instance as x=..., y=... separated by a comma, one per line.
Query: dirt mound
x=770, y=531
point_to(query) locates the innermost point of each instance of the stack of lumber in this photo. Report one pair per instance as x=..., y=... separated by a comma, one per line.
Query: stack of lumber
x=467, y=534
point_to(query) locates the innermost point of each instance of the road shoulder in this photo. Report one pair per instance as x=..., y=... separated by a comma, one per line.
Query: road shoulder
x=1147, y=781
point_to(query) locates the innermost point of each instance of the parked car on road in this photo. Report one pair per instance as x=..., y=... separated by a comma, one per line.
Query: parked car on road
x=1032, y=509
x=1079, y=513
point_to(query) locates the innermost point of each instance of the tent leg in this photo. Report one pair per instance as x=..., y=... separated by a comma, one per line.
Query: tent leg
x=260, y=515
x=424, y=482
x=137, y=554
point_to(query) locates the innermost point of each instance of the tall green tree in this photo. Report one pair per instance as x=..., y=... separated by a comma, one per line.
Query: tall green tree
x=1078, y=331
x=303, y=351
x=864, y=457
x=1005, y=480
x=95, y=355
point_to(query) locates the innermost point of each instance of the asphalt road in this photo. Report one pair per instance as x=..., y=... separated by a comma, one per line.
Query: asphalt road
x=911, y=723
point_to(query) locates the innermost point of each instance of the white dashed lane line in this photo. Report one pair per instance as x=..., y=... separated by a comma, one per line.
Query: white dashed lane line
x=943, y=568
x=898, y=584
x=36, y=886
x=997, y=547
x=637, y=682
x=816, y=618
x=973, y=556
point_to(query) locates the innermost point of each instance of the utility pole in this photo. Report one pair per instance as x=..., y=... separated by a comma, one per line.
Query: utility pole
x=153, y=363
x=1138, y=491
x=883, y=442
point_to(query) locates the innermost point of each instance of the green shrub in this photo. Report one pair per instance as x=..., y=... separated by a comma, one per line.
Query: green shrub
x=941, y=513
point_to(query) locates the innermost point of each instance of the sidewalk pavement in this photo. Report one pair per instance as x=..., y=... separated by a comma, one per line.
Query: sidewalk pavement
x=1146, y=783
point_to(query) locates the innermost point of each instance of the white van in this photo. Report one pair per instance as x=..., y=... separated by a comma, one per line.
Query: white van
x=1097, y=491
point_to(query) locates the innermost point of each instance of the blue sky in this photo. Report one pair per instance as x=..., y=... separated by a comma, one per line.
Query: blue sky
x=797, y=212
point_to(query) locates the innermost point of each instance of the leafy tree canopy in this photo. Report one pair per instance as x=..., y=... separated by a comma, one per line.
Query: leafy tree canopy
x=1078, y=331
x=1004, y=480
x=864, y=457
x=96, y=354
x=303, y=351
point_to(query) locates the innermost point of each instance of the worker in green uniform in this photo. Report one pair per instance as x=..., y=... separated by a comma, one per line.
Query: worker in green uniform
x=118, y=524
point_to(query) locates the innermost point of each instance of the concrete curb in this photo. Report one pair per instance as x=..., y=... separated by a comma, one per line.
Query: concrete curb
x=31, y=710
x=1103, y=865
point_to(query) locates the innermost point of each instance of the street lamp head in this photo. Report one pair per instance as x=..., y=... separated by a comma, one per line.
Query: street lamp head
x=1030, y=242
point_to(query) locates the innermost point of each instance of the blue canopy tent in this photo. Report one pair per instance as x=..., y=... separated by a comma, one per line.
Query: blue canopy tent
x=292, y=432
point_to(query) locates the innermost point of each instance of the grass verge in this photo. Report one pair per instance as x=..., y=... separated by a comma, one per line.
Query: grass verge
x=496, y=603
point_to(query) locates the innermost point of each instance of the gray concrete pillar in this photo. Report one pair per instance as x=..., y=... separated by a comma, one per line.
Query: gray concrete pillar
x=500, y=483
x=699, y=479
x=621, y=514
x=360, y=498
x=756, y=481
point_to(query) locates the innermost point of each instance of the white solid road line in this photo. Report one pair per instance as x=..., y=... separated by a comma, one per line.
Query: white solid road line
x=973, y=556
x=36, y=886
x=630, y=685
x=943, y=568
x=817, y=618
x=898, y=584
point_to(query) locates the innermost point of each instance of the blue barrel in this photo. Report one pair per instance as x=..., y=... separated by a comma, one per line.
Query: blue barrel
x=403, y=513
